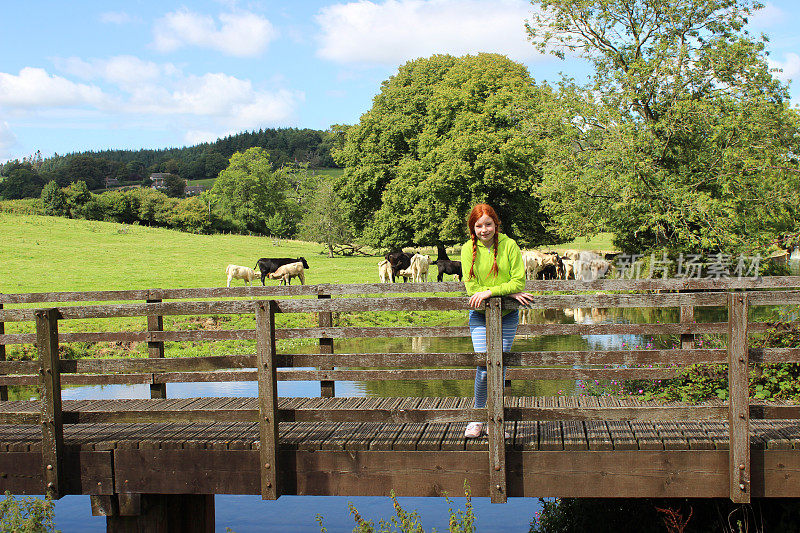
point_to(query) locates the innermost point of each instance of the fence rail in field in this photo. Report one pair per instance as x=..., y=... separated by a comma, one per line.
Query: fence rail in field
x=267, y=366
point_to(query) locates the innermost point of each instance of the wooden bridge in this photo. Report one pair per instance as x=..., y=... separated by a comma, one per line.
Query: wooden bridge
x=138, y=458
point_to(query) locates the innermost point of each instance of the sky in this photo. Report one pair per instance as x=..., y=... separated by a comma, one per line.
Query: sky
x=92, y=75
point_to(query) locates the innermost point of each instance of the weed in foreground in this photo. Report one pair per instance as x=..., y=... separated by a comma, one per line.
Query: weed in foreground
x=27, y=515
x=461, y=521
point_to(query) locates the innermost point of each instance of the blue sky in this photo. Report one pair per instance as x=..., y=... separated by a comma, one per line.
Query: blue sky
x=86, y=75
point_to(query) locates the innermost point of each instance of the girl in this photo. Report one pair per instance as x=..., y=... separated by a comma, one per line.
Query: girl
x=492, y=266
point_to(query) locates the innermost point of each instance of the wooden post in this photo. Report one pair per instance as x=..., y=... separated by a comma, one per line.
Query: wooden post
x=494, y=400
x=327, y=388
x=156, y=349
x=3, y=388
x=52, y=424
x=187, y=513
x=267, y=398
x=739, y=402
x=687, y=316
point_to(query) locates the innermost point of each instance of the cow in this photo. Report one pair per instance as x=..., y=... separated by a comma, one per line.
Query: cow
x=446, y=265
x=542, y=265
x=591, y=270
x=399, y=260
x=385, y=271
x=285, y=273
x=569, y=270
x=419, y=267
x=269, y=265
x=240, y=272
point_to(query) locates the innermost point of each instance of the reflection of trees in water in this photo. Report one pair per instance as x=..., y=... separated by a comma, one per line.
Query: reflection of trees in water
x=450, y=387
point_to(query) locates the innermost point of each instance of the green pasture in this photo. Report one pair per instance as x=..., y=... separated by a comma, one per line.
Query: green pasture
x=43, y=254
x=53, y=254
x=332, y=172
x=207, y=183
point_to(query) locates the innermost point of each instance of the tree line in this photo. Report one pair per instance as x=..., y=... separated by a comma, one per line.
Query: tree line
x=26, y=178
x=248, y=197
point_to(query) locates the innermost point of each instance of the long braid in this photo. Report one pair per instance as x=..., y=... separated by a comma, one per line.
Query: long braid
x=474, y=256
x=496, y=245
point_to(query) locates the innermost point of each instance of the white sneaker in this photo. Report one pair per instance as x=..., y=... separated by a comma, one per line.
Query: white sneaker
x=474, y=430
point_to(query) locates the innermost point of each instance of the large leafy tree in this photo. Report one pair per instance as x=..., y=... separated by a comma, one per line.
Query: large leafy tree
x=682, y=141
x=444, y=133
x=324, y=221
x=250, y=195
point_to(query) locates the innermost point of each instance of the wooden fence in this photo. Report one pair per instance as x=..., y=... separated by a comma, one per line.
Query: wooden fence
x=267, y=366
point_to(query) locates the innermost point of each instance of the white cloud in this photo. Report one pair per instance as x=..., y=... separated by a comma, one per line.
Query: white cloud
x=240, y=34
x=7, y=139
x=193, y=137
x=394, y=31
x=145, y=94
x=34, y=87
x=790, y=67
x=117, y=17
x=120, y=70
x=230, y=101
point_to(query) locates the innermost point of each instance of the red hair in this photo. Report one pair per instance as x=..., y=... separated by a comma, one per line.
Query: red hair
x=477, y=212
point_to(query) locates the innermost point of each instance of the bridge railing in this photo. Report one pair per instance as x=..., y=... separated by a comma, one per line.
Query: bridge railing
x=267, y=365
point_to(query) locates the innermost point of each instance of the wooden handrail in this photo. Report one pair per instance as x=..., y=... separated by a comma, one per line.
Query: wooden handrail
x=428, y=303
x=673, y=284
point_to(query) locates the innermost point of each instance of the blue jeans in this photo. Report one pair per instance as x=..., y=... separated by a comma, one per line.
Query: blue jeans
x=477, y=330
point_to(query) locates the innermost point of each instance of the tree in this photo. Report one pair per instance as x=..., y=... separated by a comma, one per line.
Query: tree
x=54, y=200
x=174, y=186
x=683, y=141
x=444, y=133
x=22, y=182
x=325, y=220
x=85, y=168
x=248, y=193
x=77, y=196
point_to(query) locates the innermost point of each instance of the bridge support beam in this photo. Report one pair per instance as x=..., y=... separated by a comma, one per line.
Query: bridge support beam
x=158, y=513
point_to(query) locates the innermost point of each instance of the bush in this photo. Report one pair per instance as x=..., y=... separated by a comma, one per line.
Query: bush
x=409, y=522
x=701, y=382
x=190, y=215
x=27, y=206
x=646, y=515
x=26, y=515
x=78, y=195
x=54, y=200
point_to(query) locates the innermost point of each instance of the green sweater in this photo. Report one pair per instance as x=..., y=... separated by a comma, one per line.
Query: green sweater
x=510, y=277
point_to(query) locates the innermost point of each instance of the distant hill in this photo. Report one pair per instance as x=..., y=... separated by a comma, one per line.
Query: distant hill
x=285, y=145
x=199, y=162
x=202, y=161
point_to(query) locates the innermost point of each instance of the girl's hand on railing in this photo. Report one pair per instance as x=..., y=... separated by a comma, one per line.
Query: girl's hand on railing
x=525, y=298
x=478, y=298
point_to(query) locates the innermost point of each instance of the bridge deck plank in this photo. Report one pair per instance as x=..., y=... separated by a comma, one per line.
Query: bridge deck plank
x=569, y=435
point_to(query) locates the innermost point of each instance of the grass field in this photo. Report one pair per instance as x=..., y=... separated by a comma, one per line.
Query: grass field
x=44, y=254
x=207, y=183
x=334, y=172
